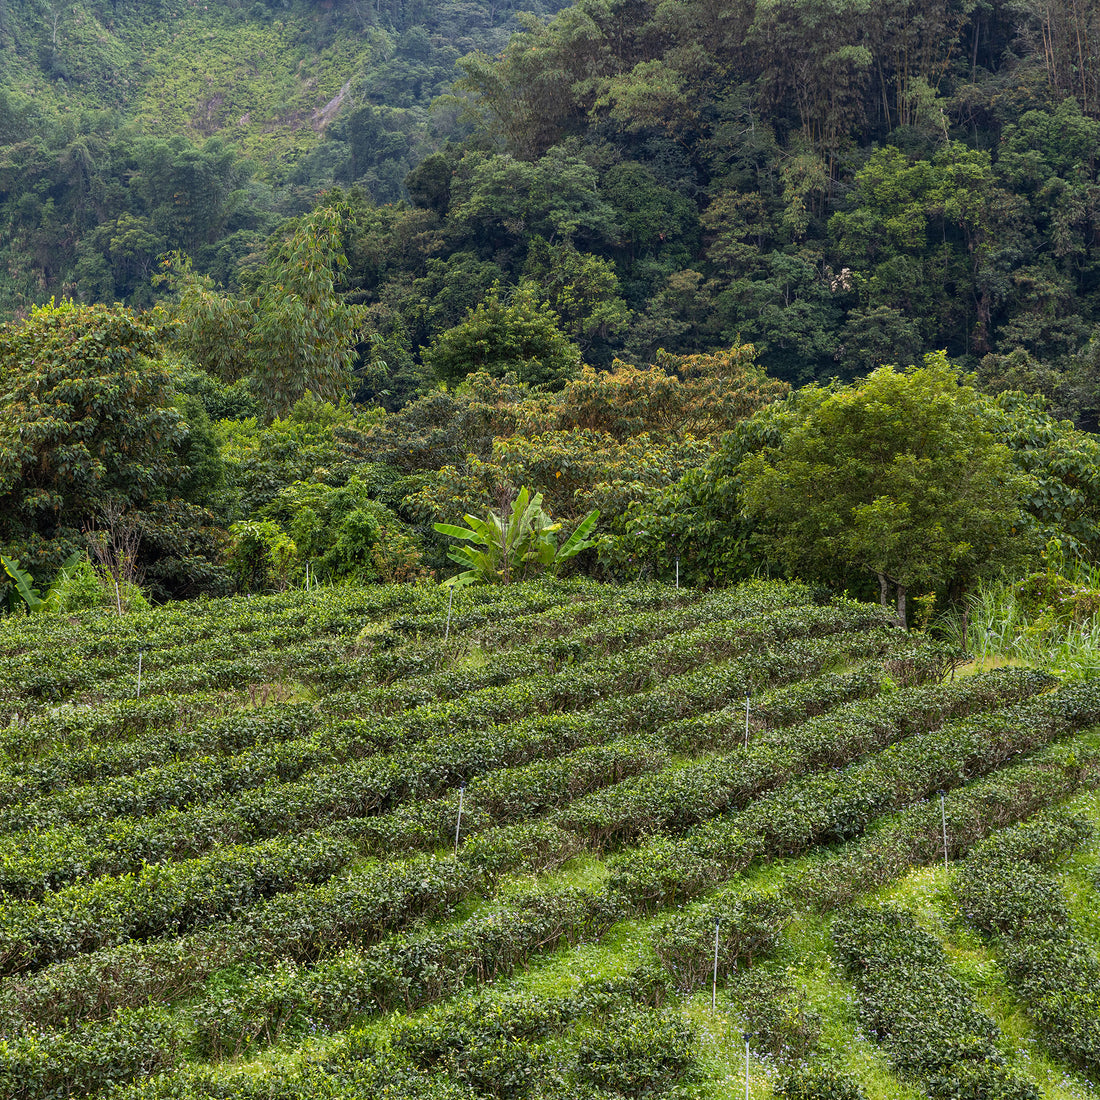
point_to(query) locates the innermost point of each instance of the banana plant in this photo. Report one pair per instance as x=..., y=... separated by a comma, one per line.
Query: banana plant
x=24, y=583
x=512, y=547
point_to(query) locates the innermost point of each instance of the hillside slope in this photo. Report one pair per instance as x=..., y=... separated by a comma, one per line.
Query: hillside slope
x=362, y=842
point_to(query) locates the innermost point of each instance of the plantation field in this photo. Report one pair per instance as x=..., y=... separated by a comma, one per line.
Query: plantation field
x=559, y=840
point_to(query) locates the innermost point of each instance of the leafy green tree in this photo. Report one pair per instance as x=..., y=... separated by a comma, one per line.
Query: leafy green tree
x=519, y=336
x=294, y=334
x=581, y=288
x=1064, y=465
x=902, y=475
x=86, y=423
x=340, y=532
x=498, y=200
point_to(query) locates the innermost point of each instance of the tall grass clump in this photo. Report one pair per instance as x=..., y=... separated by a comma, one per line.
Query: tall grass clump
x=1050, y=619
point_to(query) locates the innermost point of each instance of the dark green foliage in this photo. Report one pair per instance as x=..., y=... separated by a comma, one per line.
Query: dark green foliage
x=775, y=1015
x=920, y=1012
x=88, y=435
x=1008, y=893
x=901, y=476
x=820, y=1083
x=747, y=926
x=518, y=336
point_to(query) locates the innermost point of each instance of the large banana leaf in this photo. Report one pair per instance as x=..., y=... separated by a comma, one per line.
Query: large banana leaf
x=525, y=541
x=24, y=583
x=579, y=540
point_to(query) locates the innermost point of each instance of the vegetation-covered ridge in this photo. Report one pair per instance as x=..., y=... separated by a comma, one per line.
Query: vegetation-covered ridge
x=842, y=186
x=405, y=841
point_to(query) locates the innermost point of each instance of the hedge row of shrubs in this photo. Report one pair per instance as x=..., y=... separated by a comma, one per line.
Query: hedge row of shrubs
x=924, y=1016
x=613, y=675
x=1007, y=891
x=66, y=765
x=914, y=837
x=31, y=861
x=413, y=970
x=670, y=801
x=163, y=899
x=48, y=660
x=607, y=1039
x=839, y=805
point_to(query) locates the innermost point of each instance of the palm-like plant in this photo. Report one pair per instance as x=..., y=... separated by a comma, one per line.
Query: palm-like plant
x=514, y=547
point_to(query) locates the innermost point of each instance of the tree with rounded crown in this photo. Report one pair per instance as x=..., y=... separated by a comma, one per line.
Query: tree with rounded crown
x=901, y=475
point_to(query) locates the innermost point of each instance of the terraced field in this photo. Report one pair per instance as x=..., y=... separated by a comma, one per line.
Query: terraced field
x=558, y=841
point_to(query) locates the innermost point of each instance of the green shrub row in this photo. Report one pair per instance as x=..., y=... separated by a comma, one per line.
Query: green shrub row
x=839, y=805
x=505, y=796
x=49, y=854
x=565, y=690
x=163, y=899
x=1007, y=892
x=90, y=1058
x=53, y=660
x=674, y=799
x=92, y=915
x=724, y=728
x=926, y=1018
x=69, y=728
x=509, y=794
x=608, y=1038
x=684, y=941
x=79, y=755
x=626, y=673
x=542, y=642
x=819, y=1082
x=95, y=986
x=745, y=926
x=914, y=837
x=93, y=769
x=407, y=972
x=302, y=925
x=416, y=970
x=84, y=759
x=334, y=662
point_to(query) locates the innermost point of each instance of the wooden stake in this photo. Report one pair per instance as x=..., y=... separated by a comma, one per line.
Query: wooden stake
x=714, y=984
x=458, y=825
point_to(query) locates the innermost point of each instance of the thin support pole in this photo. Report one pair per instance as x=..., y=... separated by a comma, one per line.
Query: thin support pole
x=450, y=602
x=714, y=984
x=746, y=1065
x=458, y=824
x=139, y=675
x=677, y=574
x=746, y=721
x=943, y=817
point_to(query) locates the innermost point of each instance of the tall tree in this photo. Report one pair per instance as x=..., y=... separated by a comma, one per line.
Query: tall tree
x=86, y=423
x=902, y=476
x=293, y=335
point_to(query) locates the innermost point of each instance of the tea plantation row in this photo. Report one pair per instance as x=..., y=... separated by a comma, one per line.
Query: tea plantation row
x=326, y=843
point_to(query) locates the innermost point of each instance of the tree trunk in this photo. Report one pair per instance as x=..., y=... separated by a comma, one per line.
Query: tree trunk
x=901, y=607
x=884, y=589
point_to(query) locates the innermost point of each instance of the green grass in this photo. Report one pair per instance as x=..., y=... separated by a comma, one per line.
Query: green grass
x=998, y=626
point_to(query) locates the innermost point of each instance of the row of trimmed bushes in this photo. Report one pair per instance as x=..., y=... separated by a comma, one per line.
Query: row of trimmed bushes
x=927, y=1020
x=838, y=805
x=37, y=859
x=1008, y=892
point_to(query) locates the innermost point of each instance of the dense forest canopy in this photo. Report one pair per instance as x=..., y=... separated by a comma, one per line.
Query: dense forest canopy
x=842, y=184
x=530, y=247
